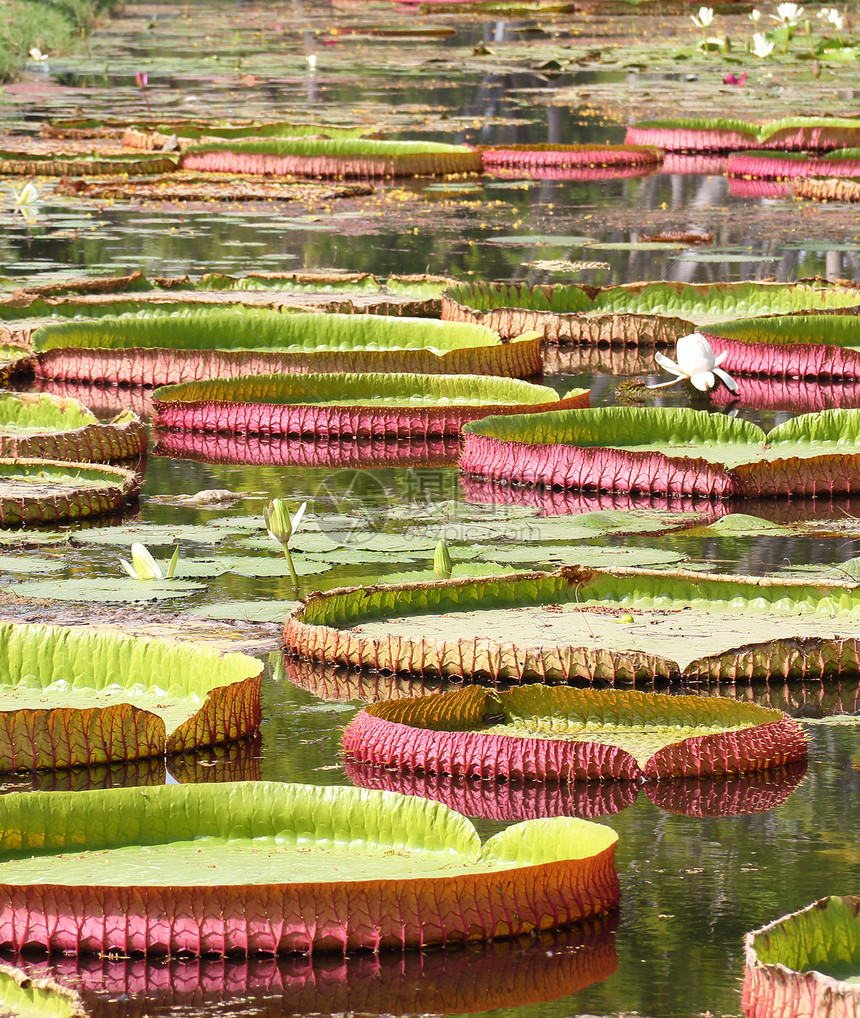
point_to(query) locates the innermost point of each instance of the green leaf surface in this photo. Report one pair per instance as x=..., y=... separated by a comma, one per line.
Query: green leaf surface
x=824, y=937
x=263, y=330
x=245, y=611
x=367, y=389
x=155, y=535
x=121, y=589
x=28, y=564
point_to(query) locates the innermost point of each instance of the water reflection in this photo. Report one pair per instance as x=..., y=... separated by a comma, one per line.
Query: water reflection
x=235, y=761
x=491, y=799
x=362, y=453
x=481, y=977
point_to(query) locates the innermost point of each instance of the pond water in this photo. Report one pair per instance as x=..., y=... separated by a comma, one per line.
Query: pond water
x=691, y=885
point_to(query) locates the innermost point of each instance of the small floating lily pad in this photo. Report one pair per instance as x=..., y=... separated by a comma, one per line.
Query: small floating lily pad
x=121, y=589
x=245, y=611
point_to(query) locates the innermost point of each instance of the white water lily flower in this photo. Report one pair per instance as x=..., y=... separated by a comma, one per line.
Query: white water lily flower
x=280, y=526
x=761, y=47
x=26, y=200
x=144, y=567
x=706, y=16
x=833, y=17
x=787, y=14
x=755, y=16
x=696, y=363
x=37, y=55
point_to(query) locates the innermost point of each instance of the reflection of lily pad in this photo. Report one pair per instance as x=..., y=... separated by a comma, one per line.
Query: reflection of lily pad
x=535, y=733
x=400, y=872
x=499, y=974
x=85, y=696
x=583, y=625
x=105, y=589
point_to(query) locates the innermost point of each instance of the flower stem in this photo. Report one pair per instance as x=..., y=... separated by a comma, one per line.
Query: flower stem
x=293, y=575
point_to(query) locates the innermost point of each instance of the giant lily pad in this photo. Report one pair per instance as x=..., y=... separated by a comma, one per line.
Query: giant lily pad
x=189, y=127
x=723, y=135
x=668, y=451
x=38, y=426
x=710, y=796
x=252, y=867
x=790, y=346
x=805, y=963
x=535, y=733
x=584, y=626
x=826, y=189
x=360, y=405
x=45, y=491
x=219, y=344
x=633, y=314
x=332, y=158
x=482, y=977
x=74, y=697
x=59, y=165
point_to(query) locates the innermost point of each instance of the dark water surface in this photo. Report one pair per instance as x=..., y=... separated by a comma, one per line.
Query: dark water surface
x=695, y=877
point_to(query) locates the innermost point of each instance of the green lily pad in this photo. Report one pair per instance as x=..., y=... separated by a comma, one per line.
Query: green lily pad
x=585, y=556
x=25, y=564
x=121, y=589
x=245, y=611
x=155, y=535
x=249, y=565
x=742, y=525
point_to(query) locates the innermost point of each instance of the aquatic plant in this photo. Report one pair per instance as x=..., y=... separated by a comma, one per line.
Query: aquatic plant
x=144, y=567
x=641, y=449
x=701, y=134
x=805, y=963
x=539, y=733
x=579, y=625
x=219, y=344
x=696, y=364
x=385, y=871
x=49, y=491
x=37, y=425
x=375, y=405
x=77, y=697
x=314, y=157
x=703, y=20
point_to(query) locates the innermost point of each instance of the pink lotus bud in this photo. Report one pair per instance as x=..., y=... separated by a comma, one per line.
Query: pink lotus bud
x=142, y=79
